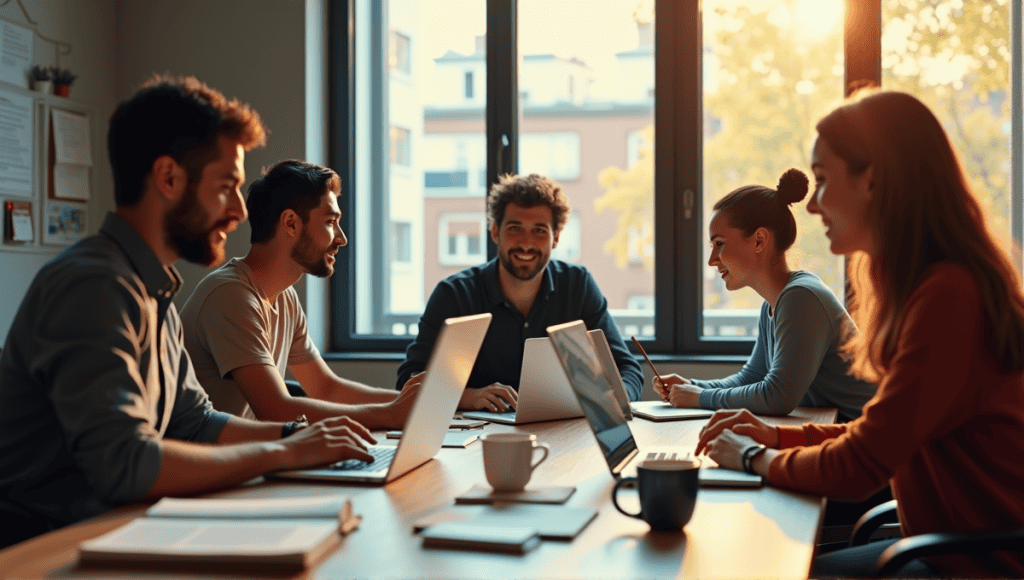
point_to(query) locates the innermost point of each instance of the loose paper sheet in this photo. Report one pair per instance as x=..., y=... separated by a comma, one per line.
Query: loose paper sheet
x=72, y=155
x=71, y=181
x=15, y=143
x=71, y=138
x=15, y=53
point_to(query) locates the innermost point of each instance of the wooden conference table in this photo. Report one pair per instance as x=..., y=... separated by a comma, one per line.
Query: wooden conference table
x=734, y=533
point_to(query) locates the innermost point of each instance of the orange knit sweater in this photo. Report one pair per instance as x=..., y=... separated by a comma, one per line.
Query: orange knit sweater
x=946, y=428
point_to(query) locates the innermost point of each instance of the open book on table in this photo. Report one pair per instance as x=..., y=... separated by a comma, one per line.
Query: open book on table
x=277, y=532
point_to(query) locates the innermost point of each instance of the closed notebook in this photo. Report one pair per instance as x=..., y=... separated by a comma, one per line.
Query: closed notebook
x=471, y=536
x=276, y=533
x=550, y=522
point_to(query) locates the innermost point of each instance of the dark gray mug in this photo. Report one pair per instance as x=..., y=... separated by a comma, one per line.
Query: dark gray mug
x=668, y=493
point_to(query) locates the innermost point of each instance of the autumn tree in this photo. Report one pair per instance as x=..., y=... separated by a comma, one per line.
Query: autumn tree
x=770, y=75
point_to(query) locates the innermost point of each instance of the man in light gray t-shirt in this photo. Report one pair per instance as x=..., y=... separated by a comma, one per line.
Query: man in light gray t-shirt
x=231, y=323
x=244, y=325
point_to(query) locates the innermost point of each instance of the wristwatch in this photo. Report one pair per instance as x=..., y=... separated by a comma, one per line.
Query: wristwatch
x=749, y=454
x=289, y=428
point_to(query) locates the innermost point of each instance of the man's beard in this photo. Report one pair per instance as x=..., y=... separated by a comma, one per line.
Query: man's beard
x=186, y=226
x=313, y=259
x=522, y=272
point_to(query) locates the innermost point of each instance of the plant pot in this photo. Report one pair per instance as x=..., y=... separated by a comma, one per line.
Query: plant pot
x=45, y=87
x=62, y=90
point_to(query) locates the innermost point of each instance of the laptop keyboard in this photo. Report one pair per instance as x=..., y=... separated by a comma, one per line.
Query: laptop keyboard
x=663, y=456
x=382, y=456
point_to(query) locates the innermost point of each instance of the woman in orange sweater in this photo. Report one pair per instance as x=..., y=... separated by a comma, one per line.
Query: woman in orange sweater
x=941, y=314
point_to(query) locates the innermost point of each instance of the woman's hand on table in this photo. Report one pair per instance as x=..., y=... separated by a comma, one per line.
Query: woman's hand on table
x=678, y=391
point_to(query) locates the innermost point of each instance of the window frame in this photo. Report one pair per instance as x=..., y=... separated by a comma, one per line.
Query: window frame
x=678, y=179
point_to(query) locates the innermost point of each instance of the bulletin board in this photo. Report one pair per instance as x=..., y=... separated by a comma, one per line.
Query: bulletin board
x=47, y=168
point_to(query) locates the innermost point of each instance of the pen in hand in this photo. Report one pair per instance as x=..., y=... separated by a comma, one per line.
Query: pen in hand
x=657, y=375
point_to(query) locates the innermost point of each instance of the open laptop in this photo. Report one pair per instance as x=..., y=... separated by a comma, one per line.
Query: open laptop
x=544, y=390
x=447, y=372
x=592, y=385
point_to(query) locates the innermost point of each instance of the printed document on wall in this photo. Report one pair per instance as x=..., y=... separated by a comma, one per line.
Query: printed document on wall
x=15, y=143
x=72, y=155
x=71, y=140
x=15, y=53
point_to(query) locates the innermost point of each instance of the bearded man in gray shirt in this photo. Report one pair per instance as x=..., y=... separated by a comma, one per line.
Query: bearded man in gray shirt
x=98, y=398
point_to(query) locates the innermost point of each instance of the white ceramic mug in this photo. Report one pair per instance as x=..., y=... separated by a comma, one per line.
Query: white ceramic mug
x=508, y=459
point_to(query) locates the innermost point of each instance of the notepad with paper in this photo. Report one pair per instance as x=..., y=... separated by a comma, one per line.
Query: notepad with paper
x=278, y=532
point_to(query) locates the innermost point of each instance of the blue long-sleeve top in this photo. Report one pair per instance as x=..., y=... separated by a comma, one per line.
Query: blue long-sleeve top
x=795, y=361
x=568, y=292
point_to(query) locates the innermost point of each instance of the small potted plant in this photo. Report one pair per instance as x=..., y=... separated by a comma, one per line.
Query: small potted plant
x=41, y=78
x=62, y=79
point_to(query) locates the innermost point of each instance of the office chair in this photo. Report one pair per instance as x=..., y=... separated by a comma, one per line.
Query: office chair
x=19, y=524
x=295, y=389
x=911, y=548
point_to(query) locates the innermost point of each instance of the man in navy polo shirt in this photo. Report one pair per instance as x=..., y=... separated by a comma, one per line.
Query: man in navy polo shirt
x=524, y=290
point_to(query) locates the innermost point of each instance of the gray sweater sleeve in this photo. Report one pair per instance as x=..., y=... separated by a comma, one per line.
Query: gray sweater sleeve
x=753, y=370
x=803, y=333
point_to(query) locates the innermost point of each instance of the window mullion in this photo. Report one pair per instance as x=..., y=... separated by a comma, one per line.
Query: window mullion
x=502, y=114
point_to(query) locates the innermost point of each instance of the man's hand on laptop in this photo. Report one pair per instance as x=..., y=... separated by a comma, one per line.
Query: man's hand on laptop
x=328, y=441
x=495, y=398
x=397, y=411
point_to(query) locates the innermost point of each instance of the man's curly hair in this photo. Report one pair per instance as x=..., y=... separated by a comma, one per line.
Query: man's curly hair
x=527, y=191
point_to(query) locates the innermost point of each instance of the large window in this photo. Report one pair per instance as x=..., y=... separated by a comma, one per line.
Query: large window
x=648, y=119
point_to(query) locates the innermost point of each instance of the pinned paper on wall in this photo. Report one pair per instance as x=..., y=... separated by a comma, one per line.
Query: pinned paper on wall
x=72, y=156
x=18, y=221
x=15, y=143
x=65, y=223
x=15, y=53
x=71, y=140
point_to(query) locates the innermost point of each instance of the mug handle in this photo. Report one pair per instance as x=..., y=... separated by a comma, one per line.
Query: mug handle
x=615, y=496
x=546, y=449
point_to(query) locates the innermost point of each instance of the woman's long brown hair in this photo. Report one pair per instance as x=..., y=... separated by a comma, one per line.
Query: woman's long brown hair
x=922, y=211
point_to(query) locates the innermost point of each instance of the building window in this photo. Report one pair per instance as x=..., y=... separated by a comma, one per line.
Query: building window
x=570, y=242
x=399, y=54
x=556, y=155
x=461, y=239
x=401, y=242
x=400, y=147
x=743, y=84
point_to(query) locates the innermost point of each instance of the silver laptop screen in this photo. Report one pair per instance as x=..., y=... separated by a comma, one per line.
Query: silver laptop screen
x=594, y=390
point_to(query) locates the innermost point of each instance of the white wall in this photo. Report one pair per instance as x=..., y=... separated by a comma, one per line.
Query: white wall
x=89, y=28
x=252, y=50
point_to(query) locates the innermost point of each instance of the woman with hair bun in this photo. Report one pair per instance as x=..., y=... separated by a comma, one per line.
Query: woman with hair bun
x=796, y=360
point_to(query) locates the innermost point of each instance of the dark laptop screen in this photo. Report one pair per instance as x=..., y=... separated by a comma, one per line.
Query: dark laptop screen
x=594, y=390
